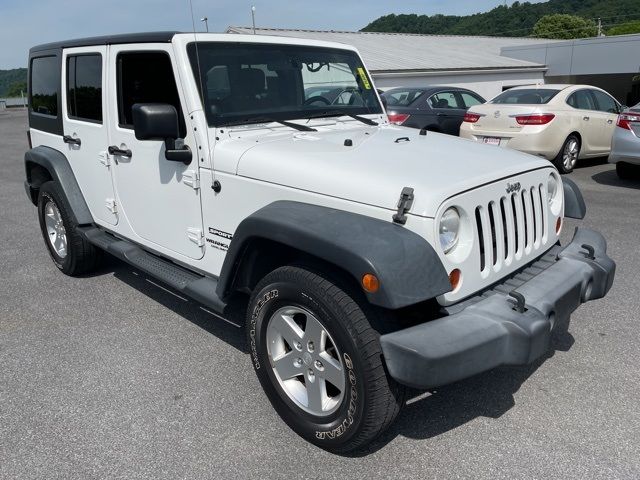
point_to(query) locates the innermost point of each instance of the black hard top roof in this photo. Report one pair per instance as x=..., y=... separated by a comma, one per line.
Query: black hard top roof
x=148, y=37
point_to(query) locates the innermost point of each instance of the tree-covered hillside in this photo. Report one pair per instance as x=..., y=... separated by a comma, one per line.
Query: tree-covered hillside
x=9, y=78
x=514, y=21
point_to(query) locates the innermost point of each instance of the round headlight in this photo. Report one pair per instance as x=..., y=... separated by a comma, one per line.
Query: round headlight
x=448, y=229
x=552, y=188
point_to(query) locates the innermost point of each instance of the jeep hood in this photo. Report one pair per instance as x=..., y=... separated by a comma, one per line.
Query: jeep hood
x=377, y=165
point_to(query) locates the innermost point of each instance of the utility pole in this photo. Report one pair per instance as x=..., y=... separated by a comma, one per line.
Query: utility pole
x=253, y=18
x=206, y=22
x=600, y=27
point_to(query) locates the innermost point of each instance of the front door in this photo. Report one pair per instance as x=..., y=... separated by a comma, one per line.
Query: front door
x=159, y=198
x=85, y=128
x=608, y=110
x=449, y=111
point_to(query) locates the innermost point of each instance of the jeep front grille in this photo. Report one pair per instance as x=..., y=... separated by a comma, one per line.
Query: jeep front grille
x=512, y=227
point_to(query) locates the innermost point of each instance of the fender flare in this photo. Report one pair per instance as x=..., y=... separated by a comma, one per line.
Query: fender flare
x=574, y=206
x=56, y=163
x=407, y=266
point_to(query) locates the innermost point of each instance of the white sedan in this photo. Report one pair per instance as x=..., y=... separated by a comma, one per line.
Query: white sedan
x=562, y=123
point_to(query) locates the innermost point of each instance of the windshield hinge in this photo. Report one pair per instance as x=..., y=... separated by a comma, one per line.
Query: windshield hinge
x=191, y=178
x=196, y=236
x=111, y=205
x=404, y=205
x=104, y=159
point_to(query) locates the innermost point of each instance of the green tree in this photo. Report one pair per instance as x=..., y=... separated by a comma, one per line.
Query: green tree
x=15, y=88
x=625, y=28
x=563, y=26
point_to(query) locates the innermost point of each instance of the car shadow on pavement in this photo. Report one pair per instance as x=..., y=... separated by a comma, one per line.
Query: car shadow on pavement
x=229, y=328
x=490, y=394
x=610, y=178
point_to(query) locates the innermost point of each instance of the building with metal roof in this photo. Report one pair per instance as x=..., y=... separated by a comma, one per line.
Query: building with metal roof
x=400, y=59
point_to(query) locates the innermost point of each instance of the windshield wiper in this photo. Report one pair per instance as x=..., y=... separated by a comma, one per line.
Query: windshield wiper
x=263, y=119
x=335, y=113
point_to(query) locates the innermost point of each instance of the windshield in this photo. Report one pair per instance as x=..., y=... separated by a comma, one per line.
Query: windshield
x=248, y=83
x=533, y=96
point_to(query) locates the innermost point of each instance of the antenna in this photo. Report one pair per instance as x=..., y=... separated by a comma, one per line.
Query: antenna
x=253, y=18
x=195, y=40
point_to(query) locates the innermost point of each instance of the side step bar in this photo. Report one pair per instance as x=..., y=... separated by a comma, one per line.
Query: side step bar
x=191, y=284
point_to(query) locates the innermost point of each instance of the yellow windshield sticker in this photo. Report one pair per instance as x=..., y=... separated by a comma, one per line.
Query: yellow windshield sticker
x=363, y=78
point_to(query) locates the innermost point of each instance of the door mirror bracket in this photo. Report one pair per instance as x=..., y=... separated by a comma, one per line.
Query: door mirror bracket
x=159, y=121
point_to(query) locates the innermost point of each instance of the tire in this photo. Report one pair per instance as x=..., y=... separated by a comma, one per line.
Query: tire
x=568, y=156
x=70, y=252
x=370, y=400
x=627, y=171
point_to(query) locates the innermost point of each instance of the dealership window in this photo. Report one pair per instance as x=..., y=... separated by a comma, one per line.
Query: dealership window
x=44, y=85
x=84, y=87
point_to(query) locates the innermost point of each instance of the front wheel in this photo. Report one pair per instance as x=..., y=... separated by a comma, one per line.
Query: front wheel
x=319, y=360
x=567, y=158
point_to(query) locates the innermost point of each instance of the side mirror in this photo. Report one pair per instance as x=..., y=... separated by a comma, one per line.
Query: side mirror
x=159, y=121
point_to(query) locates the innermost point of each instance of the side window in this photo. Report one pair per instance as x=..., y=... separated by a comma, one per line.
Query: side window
x=470, y=100
x=45, y=79
x=444, y=100
x=84, y=87
x=402, y=98
x=582, y=100
x=605, y=102
x=146, y=77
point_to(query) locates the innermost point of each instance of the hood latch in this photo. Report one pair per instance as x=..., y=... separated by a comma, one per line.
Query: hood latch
x=404, y=205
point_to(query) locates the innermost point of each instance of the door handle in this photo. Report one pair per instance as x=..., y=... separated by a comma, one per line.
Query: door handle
x=71, y=140
x=585, y=118
x=113, y=150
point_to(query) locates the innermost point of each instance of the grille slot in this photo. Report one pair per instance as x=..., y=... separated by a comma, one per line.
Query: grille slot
x=511, y=227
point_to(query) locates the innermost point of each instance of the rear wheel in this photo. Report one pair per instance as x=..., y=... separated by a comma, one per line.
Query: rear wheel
x=627, y=171
x=69, y=250
x=567, y=158
x=319, y=360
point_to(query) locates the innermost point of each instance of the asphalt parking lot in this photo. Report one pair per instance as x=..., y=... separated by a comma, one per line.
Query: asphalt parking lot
x=112, y=376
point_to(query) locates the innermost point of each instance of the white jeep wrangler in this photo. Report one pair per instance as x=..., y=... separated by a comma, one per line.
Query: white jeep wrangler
x=371, y=257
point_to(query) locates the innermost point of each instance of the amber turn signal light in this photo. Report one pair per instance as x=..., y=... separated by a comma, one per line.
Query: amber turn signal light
x=558, y=225
x=370, y=283
x=454, y=279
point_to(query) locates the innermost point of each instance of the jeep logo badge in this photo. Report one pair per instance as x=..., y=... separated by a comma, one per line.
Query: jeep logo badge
x=513, y=187
x=496, y=114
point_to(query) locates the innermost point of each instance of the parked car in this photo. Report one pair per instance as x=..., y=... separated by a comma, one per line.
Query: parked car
x=438, y=109
x=562, y=123
x=625, y=147
x=362, y=252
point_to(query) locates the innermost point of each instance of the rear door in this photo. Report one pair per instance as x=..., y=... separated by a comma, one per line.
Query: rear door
x=160, y=198
x=85, y=128
x=608, y=110
x=588, y=120
x=449, y=109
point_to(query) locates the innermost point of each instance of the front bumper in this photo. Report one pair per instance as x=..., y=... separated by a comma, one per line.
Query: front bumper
x=492, y=329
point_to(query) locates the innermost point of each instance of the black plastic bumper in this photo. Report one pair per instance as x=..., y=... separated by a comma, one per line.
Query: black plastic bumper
x=492, y=330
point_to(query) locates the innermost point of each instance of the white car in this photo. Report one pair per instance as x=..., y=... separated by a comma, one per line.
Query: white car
x=362, y=252
x=562, y=123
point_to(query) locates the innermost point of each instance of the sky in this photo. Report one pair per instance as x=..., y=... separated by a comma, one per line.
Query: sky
x=24, y=23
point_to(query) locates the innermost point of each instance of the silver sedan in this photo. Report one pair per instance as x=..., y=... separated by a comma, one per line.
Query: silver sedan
x=625, y=146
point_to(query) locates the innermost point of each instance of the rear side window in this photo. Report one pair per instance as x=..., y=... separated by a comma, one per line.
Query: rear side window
x=532, y=96
x=45, y=79
x=582, y=99
x=445, y=100
x=84, y=87
x=604, y=102
x=146, y=77
x=470, y=100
